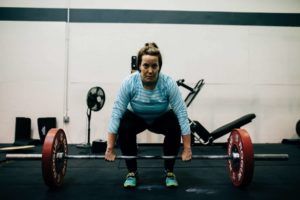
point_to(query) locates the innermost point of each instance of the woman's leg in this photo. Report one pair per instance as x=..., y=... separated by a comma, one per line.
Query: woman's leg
x=130, y=126
x=168, y=125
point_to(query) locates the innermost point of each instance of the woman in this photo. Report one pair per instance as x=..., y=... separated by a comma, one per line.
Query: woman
x=149, y=100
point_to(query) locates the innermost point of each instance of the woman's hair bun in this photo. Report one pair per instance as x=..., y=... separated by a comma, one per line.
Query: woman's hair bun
x=151, y=44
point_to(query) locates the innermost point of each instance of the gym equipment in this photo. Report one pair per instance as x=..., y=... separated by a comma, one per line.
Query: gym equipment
x=201, y=134
x=23, y=131
x=134, y=66
x=14, y=148
x=54, y=169
x=298, y=128
x=95, y=101
x=99, y=146
x=240, y=157
x=44, y=125
x=296, y=140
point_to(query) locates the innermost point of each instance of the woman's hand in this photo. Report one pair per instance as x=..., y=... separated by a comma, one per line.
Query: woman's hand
x=110, y=155
x=186, y=154
x=187, y=150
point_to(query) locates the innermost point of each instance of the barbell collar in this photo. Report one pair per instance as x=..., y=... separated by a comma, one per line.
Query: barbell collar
x=259, y=157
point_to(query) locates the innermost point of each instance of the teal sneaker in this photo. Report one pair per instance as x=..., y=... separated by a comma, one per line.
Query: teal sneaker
x=131, y=180
x=171, y=181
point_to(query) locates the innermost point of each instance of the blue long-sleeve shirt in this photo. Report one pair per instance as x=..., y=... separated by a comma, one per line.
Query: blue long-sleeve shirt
x=149, y=104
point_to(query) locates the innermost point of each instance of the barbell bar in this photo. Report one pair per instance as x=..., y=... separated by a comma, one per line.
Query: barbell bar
x=240, y=157
x=260, y=157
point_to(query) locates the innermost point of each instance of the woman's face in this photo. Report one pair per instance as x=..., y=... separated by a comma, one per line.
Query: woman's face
x=149, y=70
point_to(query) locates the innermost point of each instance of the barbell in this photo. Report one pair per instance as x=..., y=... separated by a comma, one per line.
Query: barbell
x=240, y=157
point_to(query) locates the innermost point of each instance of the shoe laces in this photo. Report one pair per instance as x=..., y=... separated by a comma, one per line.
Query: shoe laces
x=131, y=174
x=170, y=175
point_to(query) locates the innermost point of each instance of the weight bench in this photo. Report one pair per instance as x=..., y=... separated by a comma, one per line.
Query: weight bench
x=199, y=132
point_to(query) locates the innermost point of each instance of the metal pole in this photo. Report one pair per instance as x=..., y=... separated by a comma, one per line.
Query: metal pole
x=273, y=157
x=203, y=157
x=23, y=156
x=266, y=157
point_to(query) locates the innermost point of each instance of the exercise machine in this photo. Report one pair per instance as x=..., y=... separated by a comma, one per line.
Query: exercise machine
x=198, y=131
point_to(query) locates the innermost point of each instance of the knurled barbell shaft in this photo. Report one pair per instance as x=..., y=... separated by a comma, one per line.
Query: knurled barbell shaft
x=217, y=157
x=265, y=157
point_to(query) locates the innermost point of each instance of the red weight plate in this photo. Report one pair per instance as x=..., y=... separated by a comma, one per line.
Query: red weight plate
x=241, y=169
x=53, y=168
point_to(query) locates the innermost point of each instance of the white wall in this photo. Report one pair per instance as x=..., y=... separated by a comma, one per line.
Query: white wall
x=46, y=68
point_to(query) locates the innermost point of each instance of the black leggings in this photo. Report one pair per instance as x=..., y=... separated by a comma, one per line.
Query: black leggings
x=131, y=125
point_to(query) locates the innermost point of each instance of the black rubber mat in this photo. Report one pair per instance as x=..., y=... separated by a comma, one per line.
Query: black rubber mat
x=199, y=179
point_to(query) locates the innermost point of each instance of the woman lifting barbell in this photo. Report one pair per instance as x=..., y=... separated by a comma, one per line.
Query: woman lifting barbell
x=149, y=99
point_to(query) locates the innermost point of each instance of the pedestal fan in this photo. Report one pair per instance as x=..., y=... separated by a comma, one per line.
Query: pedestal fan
x=95, y=101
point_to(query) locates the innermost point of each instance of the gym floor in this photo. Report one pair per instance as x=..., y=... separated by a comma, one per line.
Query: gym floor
x=199, y=179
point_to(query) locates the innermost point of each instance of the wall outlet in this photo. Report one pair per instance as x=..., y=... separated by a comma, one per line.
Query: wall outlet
x=66, y=119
